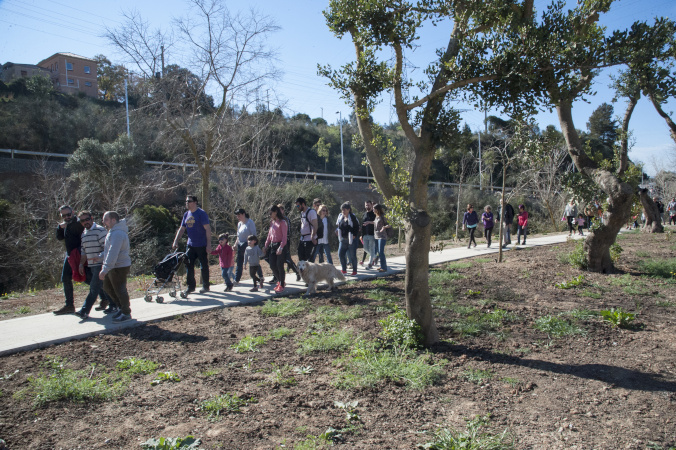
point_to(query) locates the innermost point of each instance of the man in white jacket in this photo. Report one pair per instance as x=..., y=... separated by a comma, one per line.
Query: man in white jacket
x=116, y=264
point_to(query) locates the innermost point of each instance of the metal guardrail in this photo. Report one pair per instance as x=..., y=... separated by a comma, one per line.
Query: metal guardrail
x=314, y=175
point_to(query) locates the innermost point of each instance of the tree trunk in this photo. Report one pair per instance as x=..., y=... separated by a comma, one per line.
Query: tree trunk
x=457, y=215
x=620, y=196
x=665, y=116
x=418, y=305
x=206, y=175
x=653, y=218
x=502, y=212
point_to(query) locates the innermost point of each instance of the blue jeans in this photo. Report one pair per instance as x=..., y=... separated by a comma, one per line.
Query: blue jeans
x=370, y=247
x=225, y=273
x=345, y=250
x=321, y=250
x=241, y=248
x=381, y=251
x=67, y=280
x=95, y=289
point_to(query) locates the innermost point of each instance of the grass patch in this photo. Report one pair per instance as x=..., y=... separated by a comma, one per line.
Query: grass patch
x=23, y=310
x=62, y=383
x=380, y=282
x=482, y=260
x=443, y=277
x=642, y=254
x=284, y=307
x=635, y=290
x=665, y=303
x=582, y=314
x=369, y=364
x=476, y=323
x=335, y=314
x=380, y=295
x=459, y=265
x=590, y=294
x=249, y=344
x=224, y=404
x=622, y=280
x=556, y=326
x=663, y=268
x=475, y=438
x=133, y=365
x=477, y=376
x=326, y=341
x=210, y=373
x=281, y=333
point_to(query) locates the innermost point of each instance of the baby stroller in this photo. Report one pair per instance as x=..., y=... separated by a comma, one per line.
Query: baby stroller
x=165, y=272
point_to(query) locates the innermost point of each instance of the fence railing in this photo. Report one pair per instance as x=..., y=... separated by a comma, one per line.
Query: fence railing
x=314, y=175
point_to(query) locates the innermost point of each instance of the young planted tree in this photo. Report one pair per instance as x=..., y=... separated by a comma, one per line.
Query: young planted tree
x=225, y=56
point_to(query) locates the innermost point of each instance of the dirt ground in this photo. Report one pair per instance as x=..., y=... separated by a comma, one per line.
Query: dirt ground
x=601, y=388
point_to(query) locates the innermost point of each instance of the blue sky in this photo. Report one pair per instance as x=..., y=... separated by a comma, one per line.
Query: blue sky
x=36, y=29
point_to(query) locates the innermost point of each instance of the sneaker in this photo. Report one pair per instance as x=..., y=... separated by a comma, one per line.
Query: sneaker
x=204, y=290
x=382, y=270
x=281, y=288
x=82, y=315
x=228, y=288
x=111, y=310
x=254, y=289
x=361, y=263
x=65, y=310
x=344, y=272
x=187, y=291
x=122, y=318
x=262, y=285
x=102, y=306
x=117, y=314
x=369, y=267
x=354, y=272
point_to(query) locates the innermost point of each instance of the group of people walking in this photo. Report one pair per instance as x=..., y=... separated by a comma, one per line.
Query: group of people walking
x=470, y=222
x=100, y=256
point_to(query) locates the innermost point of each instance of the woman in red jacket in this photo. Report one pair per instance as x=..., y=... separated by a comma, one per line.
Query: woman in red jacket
x=522, y=227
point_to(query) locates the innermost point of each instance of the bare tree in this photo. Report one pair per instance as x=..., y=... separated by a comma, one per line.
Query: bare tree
x=224, y=55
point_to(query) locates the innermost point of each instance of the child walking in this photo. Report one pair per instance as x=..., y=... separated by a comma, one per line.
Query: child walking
x=225, y=258
x=487, y=220
x=252, y=257
x=580, y=224
x=522, y=227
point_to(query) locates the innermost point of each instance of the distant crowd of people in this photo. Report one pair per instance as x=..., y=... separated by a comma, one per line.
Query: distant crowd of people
x=99, y=255
x=470, y=222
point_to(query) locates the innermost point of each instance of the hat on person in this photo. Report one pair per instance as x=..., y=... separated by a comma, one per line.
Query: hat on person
x=240, y=211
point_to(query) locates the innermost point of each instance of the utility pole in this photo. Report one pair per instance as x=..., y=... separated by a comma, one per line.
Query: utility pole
x=162, y=61
x=481, y=175
x=267, y=94
x=322, y=111
x=126, y=102
x=342, y=158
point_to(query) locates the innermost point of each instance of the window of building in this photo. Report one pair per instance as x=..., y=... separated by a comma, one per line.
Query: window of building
x=88, y=83
x=86, y=69
x=71, y=81
x=69, y=66
x=24, y=73
x=56, y=66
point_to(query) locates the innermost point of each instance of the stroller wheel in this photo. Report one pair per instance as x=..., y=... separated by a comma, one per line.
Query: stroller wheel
x=148, y=298
x=172, y=294
x=159, y=299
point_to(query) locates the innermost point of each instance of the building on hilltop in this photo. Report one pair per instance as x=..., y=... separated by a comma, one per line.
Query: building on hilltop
x=72, y=73
x=11, y=71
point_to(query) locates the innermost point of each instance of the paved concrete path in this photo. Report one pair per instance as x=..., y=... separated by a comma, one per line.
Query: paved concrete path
x=42, y=330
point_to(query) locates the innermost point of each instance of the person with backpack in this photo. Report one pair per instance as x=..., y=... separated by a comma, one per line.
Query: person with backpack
x=323, y=247
x=507, y=219
x=308, y=230
x=368, y=234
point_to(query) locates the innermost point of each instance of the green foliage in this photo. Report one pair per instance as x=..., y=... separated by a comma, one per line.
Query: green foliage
x=401, y=330
x=459, y=265
x=615, y=252
x=164, y=377
x=556, y=326
x=284, y=307
x=158, y=218
x=577, y=257
x=380, y=282
x=281, y=333
x=133, y=365
x=224, y=404
x=326, y=341
x=475, y=322
x=335, y=314
x=368, y=364
x=582, y=314
x=575, y=282
x=475, y=438
x=186, y=443
x=63, y=383
x=663, y=268
x=249, y=344
x=381, y=295
x=477, y=376
x=590, y=294
x=618, y=317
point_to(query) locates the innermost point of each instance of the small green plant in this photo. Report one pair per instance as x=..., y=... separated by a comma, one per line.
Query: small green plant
x=350, y=409
x=23, y=310
x=511, y=381
x=224, y=404
x=284, y=307
x=438, y=277
x=662, y=268
x=163, y=377
x=281, y=332
x=477, y=376
x=615, y=252
x=186, y=443
x=280, y=375
x=472, y=293
x=133, y=365
x=575, y=282
x=459, y=265
x=335, y=314
x=326, y=341
x=380, y=295
x=303, y=370
x=577, y=257
x=63, y=383
x=401, y=330
x=582, y=314
x=590, y=294
x=475, y=438
x=210, y=372
x=665, y=303
x=482, y=260
x=380, y=282
x=618, y=317
x=249, y=344
x=556, y=326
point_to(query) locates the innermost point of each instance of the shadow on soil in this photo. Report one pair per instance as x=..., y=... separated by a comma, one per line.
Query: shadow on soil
x=155, y=333
x=613, y=375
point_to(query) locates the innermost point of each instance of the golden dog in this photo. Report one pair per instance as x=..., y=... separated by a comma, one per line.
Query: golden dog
x=314, y=273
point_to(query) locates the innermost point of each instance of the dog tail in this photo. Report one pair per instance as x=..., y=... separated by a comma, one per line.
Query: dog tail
x=338, y=274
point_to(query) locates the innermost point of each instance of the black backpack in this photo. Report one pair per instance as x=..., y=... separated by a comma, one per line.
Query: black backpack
x=320, y=223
